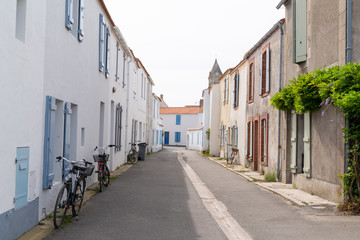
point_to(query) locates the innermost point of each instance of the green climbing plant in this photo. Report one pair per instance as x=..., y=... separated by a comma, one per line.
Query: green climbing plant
x=338, y=86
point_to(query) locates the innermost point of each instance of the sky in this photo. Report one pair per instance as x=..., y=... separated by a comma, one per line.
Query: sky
x=178, y=41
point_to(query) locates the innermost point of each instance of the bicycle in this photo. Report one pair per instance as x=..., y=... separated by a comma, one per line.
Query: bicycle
x=72, y=192
x=232, y=156
x=103, y=170
x=132, y=157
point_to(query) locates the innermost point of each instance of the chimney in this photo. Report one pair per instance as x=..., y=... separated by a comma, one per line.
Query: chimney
x=162, y=97
x=201, y=103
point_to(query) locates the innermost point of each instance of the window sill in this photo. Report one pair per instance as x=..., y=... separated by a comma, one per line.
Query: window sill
x=265, y=164
x=265, y=94
x=250, y=101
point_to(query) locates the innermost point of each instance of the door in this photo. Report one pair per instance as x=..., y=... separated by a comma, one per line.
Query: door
x=22, y=171
x=256, y=145
x=166, y=141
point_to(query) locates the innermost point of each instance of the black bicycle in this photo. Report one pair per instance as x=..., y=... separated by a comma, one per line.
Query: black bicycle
x=133, y=155
x=103, y=170
x=72, y=193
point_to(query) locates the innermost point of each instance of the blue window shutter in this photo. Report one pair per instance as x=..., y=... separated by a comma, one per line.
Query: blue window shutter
x=22, y=172
x=178, y=119
x=101, y=42
x=237, y=90
x=66, y=149
x=227, y=89
x=48, y=171
x=234, y=92
x=107, y=57
x=236, y=136
x=224, y=100
x=69, y=20
x=81, y=21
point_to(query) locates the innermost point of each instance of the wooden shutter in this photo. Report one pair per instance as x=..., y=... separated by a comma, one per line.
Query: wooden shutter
x=251, y=140
x=81, y=21
x=101, y=42
x=69, y=20
x=293, y=153
x=300, y=30
x=268, y=58
x=307, y=149
x=22, y=172
x=48, y=168
x=107, y=57
x=262, y=65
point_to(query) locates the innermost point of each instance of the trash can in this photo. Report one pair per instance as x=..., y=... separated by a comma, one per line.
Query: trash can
x=142, y=151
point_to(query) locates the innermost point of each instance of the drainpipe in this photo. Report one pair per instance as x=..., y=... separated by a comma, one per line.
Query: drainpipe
x=348, y=59
x=279, y=113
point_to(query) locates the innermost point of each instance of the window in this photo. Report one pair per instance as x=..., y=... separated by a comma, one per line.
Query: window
x=192, y=138
x=265, y=71
x=299, y=31
x=236, y=90
x=118, y=127
x=249, y=139
x=117, y=62
x=177, y=136
x=101, y=42
x=224, y=99
x=251, y=82
x=264, y=139
x=20, y=20
x=74, y=16
x=227, y=89
x=178, y=119
x=198, y=138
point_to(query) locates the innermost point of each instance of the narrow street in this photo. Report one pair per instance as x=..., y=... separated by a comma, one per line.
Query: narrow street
x=156, y=199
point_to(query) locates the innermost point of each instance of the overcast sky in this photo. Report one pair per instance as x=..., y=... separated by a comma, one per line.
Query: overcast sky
x=178, y=41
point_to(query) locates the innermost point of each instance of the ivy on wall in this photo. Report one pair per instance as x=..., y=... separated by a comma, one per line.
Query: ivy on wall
x=338, y=86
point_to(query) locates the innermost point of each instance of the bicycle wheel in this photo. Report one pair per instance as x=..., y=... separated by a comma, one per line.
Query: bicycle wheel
x=132, y=158
x=106, y=176
x=61, y=206
x=230, y=158
x=101, y=179
x=79, y=196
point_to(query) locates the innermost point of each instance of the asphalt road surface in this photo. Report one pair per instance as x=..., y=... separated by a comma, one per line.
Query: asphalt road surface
x=178, y=194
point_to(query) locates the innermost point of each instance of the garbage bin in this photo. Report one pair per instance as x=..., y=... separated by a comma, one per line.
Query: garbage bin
x=142, y=151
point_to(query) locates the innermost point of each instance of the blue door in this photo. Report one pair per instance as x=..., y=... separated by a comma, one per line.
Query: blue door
x=22, y=171
x=166, y=141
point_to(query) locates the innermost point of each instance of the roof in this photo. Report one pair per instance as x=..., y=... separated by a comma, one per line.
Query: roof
x=181, y=110
x=107, y=12
x=264, y=38
x=281, y=3
x=225, y=73
x=194, y=129
x=237, y=66
x=142, y=65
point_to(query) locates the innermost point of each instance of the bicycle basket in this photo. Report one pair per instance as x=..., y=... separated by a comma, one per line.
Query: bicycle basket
x=101, y=158
x=88, y=170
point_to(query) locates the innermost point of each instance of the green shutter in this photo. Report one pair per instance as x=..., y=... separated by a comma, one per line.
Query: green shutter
x=300, y=30
x=307, y=136
x=293, y=141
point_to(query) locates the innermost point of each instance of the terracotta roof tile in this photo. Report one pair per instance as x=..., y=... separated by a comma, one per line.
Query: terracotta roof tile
x=181, y=110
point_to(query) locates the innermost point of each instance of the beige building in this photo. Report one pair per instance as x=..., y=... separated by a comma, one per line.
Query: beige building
x=318, y=34
x=262, y=120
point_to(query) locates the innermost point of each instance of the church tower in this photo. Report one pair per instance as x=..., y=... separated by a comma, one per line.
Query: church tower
x=215, y=73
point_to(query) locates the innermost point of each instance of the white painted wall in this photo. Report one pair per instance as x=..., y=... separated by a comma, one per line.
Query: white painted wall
x=206, y=118
x=21, y=92
x=214, y=120
x=194, y=139
x=157, y=138
x=187, y=121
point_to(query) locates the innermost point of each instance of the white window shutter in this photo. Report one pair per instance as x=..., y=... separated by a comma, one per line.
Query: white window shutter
x=293, y=153
x=307, y=151
x=267, y=88
x=81, y=20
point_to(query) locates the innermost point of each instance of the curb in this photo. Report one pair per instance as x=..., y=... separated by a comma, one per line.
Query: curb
x=293, y=201
x=45, y=226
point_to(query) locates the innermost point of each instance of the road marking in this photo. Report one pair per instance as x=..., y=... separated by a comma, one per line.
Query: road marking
x=217, y=209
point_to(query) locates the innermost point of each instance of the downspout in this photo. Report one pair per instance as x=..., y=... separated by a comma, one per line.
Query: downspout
x=348, y=59
x=127, y=109
x=279, y=113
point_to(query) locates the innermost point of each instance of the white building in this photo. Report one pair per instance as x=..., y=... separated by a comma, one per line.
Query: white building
x=65, y=97
x=177, y=120
x=194, y=138
x=157, y=126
